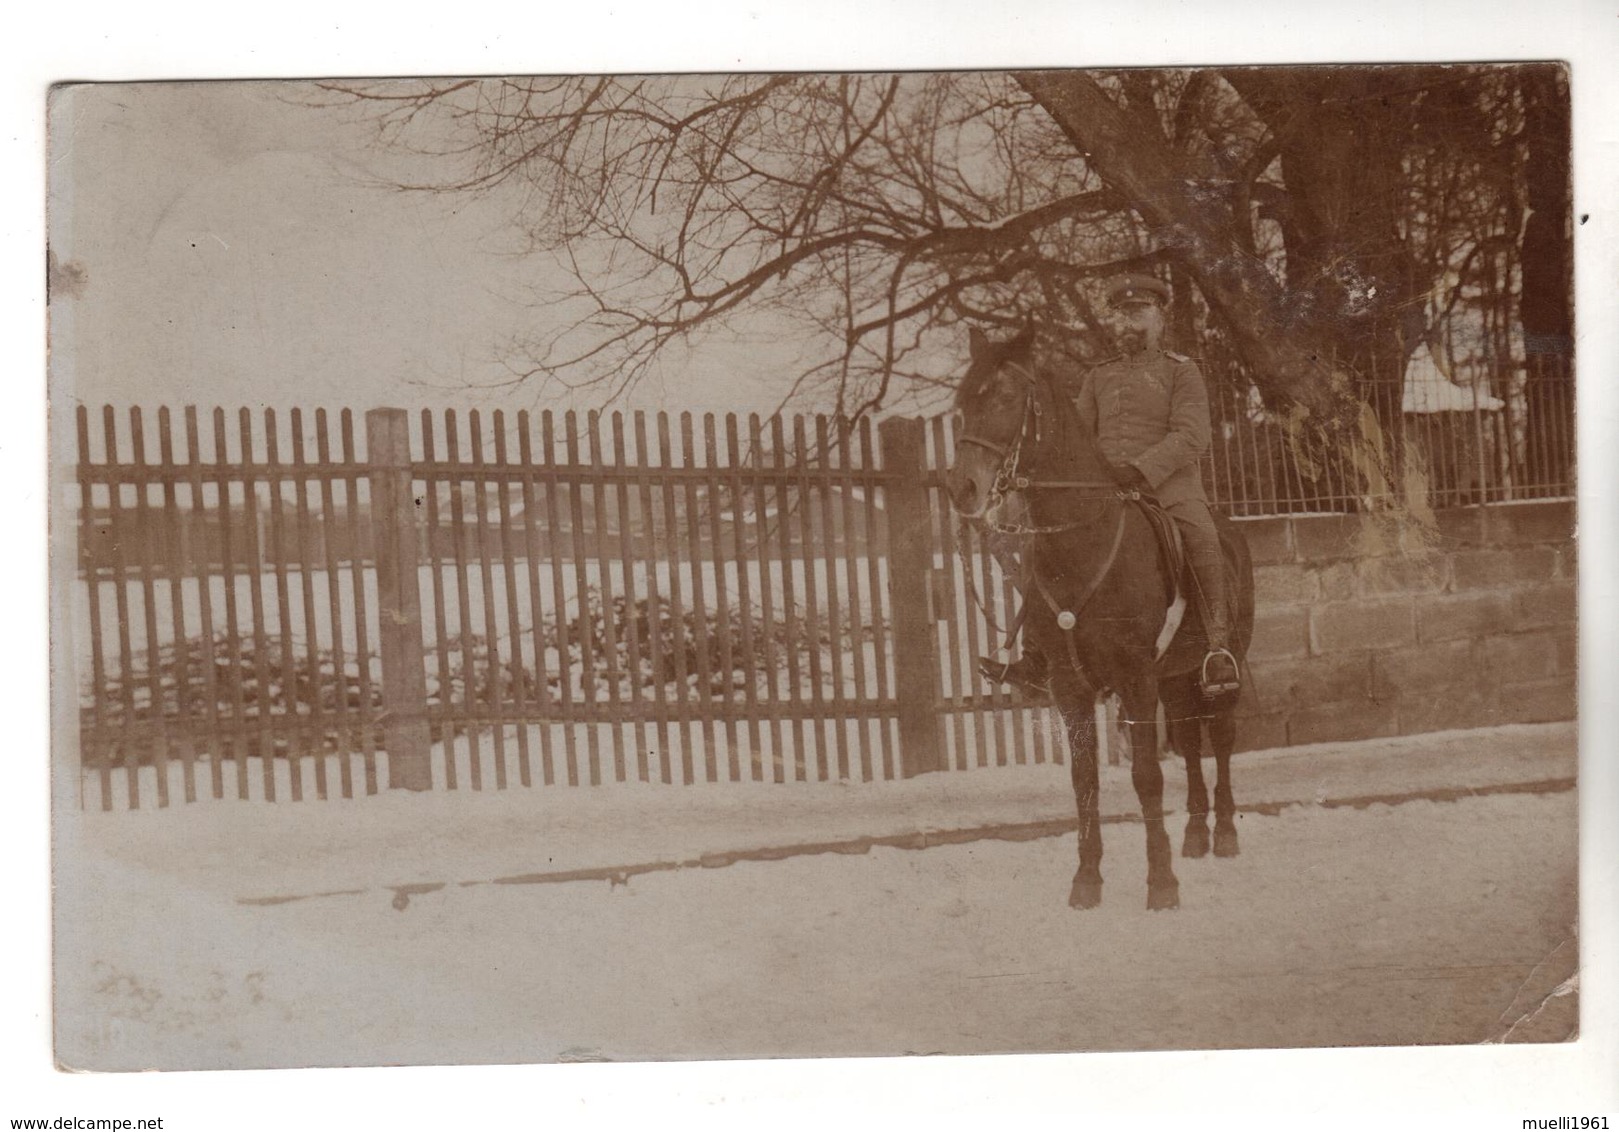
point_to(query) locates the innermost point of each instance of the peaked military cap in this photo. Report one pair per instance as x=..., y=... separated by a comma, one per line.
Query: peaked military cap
x=1136, y=289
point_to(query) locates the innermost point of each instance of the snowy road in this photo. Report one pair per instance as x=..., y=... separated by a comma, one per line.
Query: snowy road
x=1407, y=921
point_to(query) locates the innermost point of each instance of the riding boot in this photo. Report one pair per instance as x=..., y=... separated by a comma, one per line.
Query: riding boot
x=1005, y=540
x=1218, y=674
x=1030, y=673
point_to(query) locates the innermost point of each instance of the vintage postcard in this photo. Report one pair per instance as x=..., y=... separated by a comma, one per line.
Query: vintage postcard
x=693, y=567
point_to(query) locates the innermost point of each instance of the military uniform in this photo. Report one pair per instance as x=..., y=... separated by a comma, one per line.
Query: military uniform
x=1151, y=412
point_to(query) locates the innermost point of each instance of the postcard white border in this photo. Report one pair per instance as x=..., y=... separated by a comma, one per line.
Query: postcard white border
x=1432, y=1086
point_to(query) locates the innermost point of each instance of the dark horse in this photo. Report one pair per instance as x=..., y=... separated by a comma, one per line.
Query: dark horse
x=1097, y=598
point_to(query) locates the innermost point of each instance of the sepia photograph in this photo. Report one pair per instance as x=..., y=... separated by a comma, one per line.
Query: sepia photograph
x=814, y=564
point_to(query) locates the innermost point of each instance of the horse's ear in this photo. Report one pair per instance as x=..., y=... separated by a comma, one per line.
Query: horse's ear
x=977, y=343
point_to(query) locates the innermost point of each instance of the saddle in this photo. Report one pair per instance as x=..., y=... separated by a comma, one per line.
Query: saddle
x=1180, y=585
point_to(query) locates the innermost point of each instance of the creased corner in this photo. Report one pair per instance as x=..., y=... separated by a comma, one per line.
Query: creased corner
x=1546, y=1007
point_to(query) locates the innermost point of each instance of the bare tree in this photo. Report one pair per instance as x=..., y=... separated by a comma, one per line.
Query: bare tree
x=1321, y=213
x=880, y=209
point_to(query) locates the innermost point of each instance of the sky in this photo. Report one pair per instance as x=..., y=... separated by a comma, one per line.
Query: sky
x=238, y=245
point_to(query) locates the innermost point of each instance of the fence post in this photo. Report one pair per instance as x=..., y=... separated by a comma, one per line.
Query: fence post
x=915, y=645
x=399, y=604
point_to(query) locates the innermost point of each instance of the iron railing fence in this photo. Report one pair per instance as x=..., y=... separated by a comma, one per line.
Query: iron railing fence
x=1509, y=436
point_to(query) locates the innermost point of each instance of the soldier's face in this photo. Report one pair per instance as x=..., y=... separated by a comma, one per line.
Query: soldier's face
x=1138, y=326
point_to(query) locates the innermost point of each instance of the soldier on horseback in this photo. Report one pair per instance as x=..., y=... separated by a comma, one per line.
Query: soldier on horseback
x=1149, y=410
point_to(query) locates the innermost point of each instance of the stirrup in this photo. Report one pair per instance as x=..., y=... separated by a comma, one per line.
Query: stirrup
x=1226, y=684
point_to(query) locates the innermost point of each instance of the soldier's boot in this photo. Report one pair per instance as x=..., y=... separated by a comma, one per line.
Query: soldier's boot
x=1030, y=673
x=1218, y=675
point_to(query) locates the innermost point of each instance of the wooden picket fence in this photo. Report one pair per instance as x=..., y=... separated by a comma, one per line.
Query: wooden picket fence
x=280, y=607
x=465, y=601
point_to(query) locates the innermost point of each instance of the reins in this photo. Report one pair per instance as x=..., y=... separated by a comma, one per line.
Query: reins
x=1009, y=480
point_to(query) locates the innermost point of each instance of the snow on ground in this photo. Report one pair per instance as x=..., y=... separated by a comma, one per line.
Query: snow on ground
x=401, y=929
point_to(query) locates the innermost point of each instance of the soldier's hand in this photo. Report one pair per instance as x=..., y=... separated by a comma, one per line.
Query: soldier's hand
x=1129, y=477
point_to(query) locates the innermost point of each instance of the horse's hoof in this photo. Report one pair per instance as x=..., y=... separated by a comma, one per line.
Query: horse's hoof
x=1197, y=839
x=1163, y=897
x=1085, y=894
x=1225, y=841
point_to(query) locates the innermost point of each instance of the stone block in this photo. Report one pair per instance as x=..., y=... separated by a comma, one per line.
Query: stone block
x=1448, y=617
x=1424, y=669
x=1519, y=657
x=1287, y=685
x=1555, y=603
x=1365, y=624
x=1448, y=711
x=1529, y=524
x=1502, y=569
x=1262, y=731
x=1327, y=538
x=1283, y=585
x=1333, y=723
x=1539, y=701
x=1270, y=541
x=1403, y=574
x=1336, y=581
x=1280, y=631
x=1567, y=567
x=1566, y=639
x=1461, y=527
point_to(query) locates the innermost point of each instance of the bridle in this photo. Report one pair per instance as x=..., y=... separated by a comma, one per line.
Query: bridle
x=1008, y=475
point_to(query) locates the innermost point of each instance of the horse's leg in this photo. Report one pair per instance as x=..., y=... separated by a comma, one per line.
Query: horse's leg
x=1140, y=700
x=1223, y=737
x=1077, y=703
x=1184, y=707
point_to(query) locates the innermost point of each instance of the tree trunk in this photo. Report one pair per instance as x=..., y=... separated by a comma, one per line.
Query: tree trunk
x=1341, y=132
x=1341, y=135
x=1546, y=301
x=1296, y=350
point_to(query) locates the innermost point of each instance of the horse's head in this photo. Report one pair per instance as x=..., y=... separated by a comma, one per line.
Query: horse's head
x=999, y=405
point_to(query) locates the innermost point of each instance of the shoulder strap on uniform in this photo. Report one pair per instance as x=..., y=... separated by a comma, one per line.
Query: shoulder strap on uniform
x=1174, y=357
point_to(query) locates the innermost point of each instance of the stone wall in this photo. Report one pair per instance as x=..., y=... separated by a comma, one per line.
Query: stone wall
x=1354, y=639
